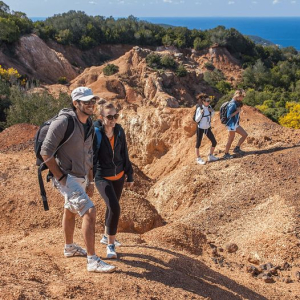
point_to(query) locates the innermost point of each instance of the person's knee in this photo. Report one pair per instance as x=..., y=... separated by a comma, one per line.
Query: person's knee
x=214, y=143
x=69, y=216
x=116, y=210
x=90, y=215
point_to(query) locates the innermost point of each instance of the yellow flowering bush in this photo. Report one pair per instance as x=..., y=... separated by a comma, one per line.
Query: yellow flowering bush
x=292, y=118
x=9, y=75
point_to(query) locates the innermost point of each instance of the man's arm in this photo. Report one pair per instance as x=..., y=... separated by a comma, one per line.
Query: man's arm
x=54, y=168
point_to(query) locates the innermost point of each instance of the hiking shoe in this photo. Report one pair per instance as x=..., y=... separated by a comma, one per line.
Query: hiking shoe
x=238, y=150
x=200, y=161
x=227, y=156
x=212, y=158
x=74, y=250
x=111, y=251
x=99, y=266
x=104, y=241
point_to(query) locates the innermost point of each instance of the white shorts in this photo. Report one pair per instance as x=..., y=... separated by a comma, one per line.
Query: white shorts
x=232, y=127
x=76, y=199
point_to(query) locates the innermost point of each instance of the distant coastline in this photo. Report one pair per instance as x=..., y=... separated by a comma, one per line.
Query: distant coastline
x=282, y=31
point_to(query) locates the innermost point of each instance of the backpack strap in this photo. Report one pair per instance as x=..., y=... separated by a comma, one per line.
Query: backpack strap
x=43, y=166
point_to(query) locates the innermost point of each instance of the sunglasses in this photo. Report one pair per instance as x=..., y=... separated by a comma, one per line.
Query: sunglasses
x=92, y=101
x=111, y=117
x=206, y=100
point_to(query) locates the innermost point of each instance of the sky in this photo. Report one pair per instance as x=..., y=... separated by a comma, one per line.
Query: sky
x=160, y=8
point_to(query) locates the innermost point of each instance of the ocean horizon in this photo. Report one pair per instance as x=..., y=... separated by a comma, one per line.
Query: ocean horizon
x=282, y=31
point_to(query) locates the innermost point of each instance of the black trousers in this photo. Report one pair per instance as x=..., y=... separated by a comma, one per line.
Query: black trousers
x=111, y=192
x=208, y=133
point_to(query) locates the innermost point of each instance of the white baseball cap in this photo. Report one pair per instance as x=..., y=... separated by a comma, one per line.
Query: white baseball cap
x=83, y=94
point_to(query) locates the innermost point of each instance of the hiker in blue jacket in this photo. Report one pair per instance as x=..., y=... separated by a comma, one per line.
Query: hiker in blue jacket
x=233, y=115
x=112, y=167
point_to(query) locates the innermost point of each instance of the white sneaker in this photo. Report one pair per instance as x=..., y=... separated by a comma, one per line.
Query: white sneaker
x=104, y=241
x=99, y=266
x=74, y=250
x=111, y=251
x=212, y=158
x=200, y=161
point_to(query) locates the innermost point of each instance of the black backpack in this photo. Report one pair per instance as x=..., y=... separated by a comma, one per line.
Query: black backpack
x=38, y=141
x=223, y=112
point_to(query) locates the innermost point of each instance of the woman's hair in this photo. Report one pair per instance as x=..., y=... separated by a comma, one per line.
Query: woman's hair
x=101, y=105
x=202, y=97
x=238, y=93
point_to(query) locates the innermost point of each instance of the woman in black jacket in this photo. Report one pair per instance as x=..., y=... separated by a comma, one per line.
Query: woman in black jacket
x=112, y=166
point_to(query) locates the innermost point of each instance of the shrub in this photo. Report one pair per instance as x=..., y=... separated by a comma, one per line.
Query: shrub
x=223, y=86
x=181, y=71
x=209, y=66
x=33, y=108
x=62, y=80
x=292, y=118
x=153, y=60
x=168, y=61
x=110, y=69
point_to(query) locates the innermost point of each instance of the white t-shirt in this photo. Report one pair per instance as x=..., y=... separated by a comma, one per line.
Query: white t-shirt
x=204, y=115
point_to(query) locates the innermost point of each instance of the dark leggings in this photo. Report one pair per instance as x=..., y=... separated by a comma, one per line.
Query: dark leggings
x=111, y=192
x=208, y=133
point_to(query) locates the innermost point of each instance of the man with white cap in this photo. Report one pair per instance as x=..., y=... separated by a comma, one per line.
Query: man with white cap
x=72, y=169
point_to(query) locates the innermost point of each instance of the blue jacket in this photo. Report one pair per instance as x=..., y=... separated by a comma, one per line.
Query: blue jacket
x=231, y=108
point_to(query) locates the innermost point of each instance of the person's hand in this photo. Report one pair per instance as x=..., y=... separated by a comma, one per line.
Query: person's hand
x=238, y=109
x=90, y=189
x=63, y=181
x=129, y=184
x=210, y=110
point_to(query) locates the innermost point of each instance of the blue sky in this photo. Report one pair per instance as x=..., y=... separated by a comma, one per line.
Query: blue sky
x=159, y=8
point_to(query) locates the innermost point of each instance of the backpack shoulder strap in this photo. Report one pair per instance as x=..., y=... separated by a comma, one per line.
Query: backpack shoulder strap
x=98, y=136
x=69, y=130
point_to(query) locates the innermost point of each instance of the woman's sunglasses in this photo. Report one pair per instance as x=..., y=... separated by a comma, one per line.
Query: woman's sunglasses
x=111, y=117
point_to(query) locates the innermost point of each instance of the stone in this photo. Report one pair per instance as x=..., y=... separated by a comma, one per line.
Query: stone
x=232, y=248
x=267, y=279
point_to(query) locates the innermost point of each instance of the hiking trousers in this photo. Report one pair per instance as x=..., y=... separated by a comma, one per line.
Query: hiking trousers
x=208, y=133
x=111, y=192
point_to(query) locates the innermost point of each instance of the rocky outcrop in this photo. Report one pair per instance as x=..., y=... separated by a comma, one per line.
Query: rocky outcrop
x=34, y=58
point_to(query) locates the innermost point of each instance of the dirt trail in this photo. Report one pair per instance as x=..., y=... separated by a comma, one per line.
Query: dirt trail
x=175, y=225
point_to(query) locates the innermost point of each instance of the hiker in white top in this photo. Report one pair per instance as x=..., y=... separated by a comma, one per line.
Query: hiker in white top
x=204, y=113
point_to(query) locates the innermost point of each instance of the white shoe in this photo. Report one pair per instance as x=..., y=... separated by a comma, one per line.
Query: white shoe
x=200, y=161
x=111, y=251
x=104, y=241
x=212, y=158
x=99, y=266
x=74, y=250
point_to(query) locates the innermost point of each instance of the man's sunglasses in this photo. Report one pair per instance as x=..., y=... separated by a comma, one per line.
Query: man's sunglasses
x=206, y=100
x=111, y=117
x=92, y=101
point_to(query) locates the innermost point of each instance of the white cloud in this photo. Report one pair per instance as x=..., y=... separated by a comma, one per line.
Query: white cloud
x=275, y=1
x=293, y=2
x=167, y=1
x=92, y=2
x=230, y=2
x=254, y=2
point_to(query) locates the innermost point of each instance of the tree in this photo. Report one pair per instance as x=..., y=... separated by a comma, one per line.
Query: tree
x=9, y=31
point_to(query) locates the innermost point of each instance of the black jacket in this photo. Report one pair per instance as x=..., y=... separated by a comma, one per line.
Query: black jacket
x=108, y=162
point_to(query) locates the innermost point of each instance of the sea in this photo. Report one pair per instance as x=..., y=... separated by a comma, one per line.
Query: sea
x=282, y=31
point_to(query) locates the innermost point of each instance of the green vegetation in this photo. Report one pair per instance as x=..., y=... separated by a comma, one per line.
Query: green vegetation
x=33, y=108
x=271, y=75
x=62, y=80
x=110, y=69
